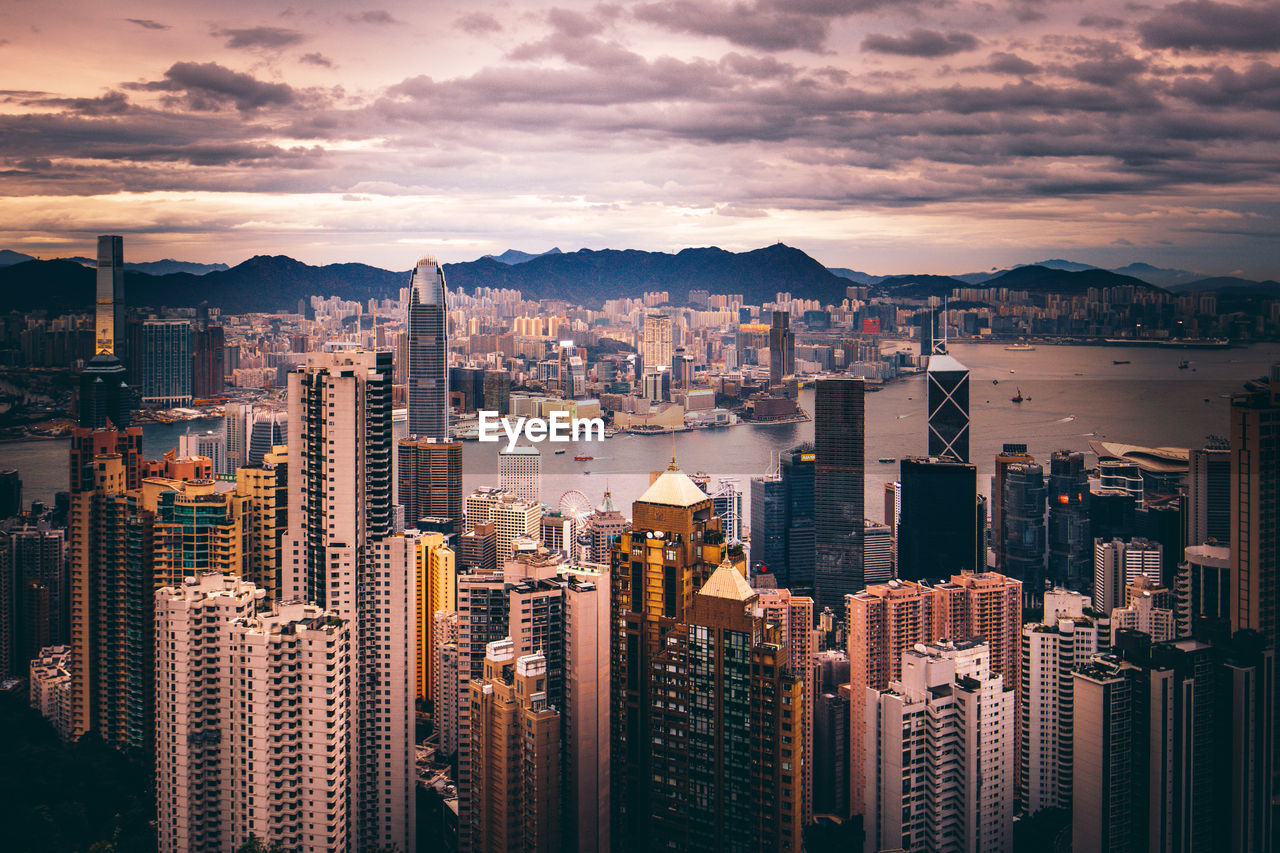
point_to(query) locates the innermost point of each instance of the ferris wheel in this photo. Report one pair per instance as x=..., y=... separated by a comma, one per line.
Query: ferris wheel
x=574, y=504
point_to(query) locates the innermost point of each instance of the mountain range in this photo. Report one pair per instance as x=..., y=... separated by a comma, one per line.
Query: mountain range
x=272, y=283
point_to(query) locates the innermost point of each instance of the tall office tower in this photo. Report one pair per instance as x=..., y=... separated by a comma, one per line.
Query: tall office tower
x=515, y=758
x=10, y=663
x=38, y=559
x=938, y=531
x=1112, y=514
x=437, y=592
x=1011, y=454
x=1149, y=608
x=879, y=564
x=655, y=346
x=674, y=544
x=285, y=672
x=769, y=526
x=782, y=348
x=887, y=619
x=1163, y=519
x=105, y=397
x=236, y=424
x=1022, y=534
x=428, y=352
x=830, y=774
x=208, y=361
x=109, y=337
x=520, y=472
x=1116, y=563
x=603, y=527
x=797, y=467
x=512, y=518
x=478, y=548
x=430, y=480
x=482, y=619
x=838, y=490
x=343, y=559
x=1123, y=475
x=948, y=382
x=497, y=391
x=1051, y=649
x=1209, y=493
x=1204, y=591
x=166, y=363
x=444, y=679
x=1170, y=746
x=1070, y=542
x=10, y=493
x=558, y=531
x=793, y=614
x=267, y=429
x=266, y=486
x=211, y=445
x=585, y=714
x=943, y=775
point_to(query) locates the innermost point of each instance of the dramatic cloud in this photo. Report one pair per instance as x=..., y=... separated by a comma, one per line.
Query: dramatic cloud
x=1009, y=63
x=477, y=23
x=260, y=37
x=919, y=42
x=760, y=24
x=209, y=86
x=148, y=24
x=316, y=59
x=373, y=16
x=1208, y=25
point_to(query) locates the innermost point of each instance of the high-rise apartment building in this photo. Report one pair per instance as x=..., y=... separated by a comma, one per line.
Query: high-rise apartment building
x=428, y=352
x=1070, y=540
x=940, y=519
x=520, y=472
x=209, y=444
x=655, y=344
x=49, y=679
x=839, y=467
x=1149, y=608
x=1203, y=590
x=942, y=774
x=1116, y=563
x=948, y=396
x=782, y=348
x=793, y=615
x=208, y=361
x=602, y=529
x=430, y=480
x=437, y=592
x=166, y=363
x=1209, y=494
x=266, y=487
x=879, y=562
x=512, y=518
x=253, y=714
x=342, y=557
x=1069, y=636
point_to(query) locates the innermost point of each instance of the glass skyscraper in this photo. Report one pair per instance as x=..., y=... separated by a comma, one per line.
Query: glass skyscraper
x=428, y=352
x=948, y=382
x=839, y=468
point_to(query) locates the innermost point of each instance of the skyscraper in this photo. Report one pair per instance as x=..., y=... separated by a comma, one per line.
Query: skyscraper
x=1116, y=563
x=1209, y=494
x=109, y=335
x=343, y=558
x=798, y=476
x=782, y=348
x=166, y=363
x=520, y=472
x=1022, y=536
x=948, y=384
x=938, y=526
x=430, y=480
x=1011, y=454
x=428, y=352
x=655, y=344
x=769, y=526
x=838, y=490
x=1070, y=542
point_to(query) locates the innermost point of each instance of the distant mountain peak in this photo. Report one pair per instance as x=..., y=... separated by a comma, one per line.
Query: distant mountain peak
x=515, y=256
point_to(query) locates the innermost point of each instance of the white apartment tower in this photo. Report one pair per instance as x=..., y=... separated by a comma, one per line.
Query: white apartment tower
x=655, y=348
x=520, y=472
x=512, y=517
x=252, y=715
x=1116, y=563
x=341, y=555
x=1051, y=649
x=940, y=775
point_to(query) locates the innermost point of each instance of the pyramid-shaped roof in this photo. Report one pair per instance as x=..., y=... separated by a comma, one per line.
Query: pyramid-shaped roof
x=674, y=488
x=727, y=582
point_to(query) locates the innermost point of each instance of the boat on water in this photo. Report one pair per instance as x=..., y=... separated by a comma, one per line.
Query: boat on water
x=1020, y=348
x=886, y=460
x=559, y=452
x=583, y=459
x=1184, y=364
x=1018, y=398
x=1118, y=361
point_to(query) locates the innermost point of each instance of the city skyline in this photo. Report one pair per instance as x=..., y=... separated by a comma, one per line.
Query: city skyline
x=912, y=137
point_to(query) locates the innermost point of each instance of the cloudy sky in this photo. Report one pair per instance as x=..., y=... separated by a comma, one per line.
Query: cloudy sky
x=884, y=135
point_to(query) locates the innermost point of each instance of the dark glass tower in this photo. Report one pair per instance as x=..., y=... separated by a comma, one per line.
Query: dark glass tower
x=106, y=399
x=428, y=353
x=1070, y=540
x=939, y=524
x=782, y=348
x=948, y=382
x=769, y=526
x=798, y=475
x=839, y=468
x=1023, y=533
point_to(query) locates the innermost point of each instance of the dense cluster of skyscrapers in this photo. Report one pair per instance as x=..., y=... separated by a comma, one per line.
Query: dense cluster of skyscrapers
x=272, y=616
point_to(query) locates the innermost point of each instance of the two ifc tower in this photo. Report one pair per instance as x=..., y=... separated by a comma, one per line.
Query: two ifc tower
x=106, y=398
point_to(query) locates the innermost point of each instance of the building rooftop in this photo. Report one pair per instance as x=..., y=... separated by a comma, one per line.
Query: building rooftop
x=674, y=488
x=727, y=582
x=945, y=364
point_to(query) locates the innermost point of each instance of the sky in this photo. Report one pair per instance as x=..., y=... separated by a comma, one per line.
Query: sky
x=889, y=136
